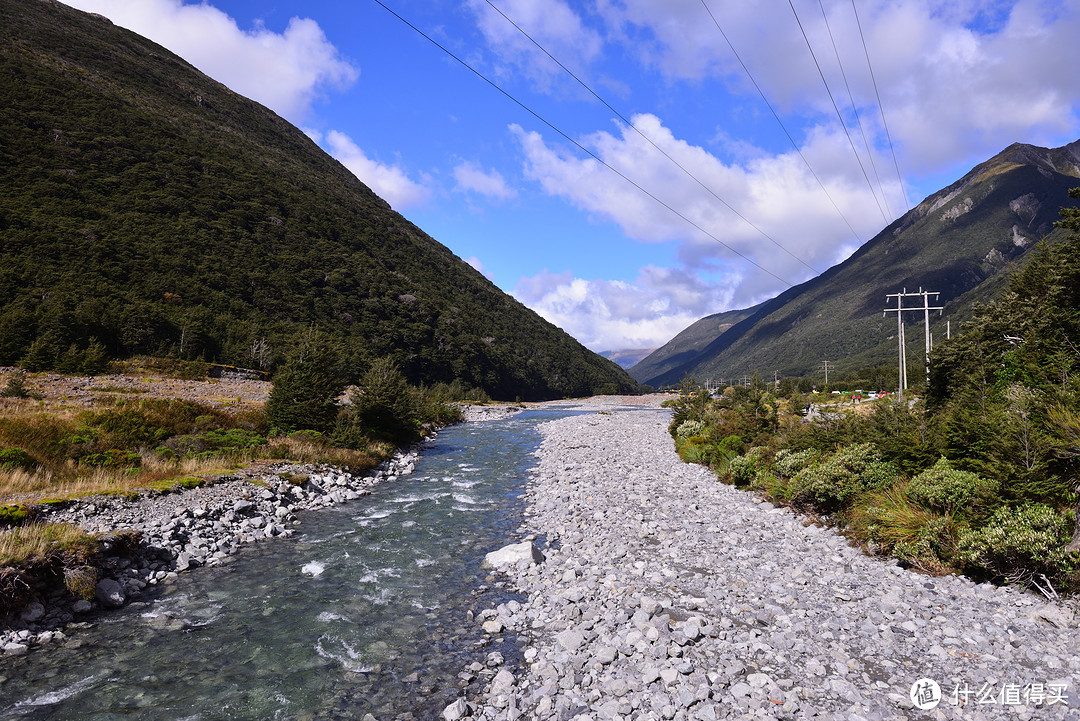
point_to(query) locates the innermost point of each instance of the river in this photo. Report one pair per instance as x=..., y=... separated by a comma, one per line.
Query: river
x=364, y=610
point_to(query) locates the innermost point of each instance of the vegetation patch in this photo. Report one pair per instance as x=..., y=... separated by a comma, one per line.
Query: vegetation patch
x=980, y=475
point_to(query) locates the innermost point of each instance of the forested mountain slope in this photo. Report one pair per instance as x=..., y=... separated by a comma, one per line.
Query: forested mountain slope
x=964, y=241
x=144, y=205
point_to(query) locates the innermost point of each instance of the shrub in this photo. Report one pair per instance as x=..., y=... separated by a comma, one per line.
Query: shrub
x=16, y=386
x=13, y=458
x=947, y=489
x=688, y=429
x=1021, y=543
x=837, y=480
x=112, y=458
x=788, y=463
x=743, y=469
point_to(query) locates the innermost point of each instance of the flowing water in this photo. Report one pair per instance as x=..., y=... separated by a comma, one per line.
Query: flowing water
x=363, y=611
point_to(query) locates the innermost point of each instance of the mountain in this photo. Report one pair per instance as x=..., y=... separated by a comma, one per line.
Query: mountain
x=148, y=208
x=627, y=357
x=964, y=242
x=687, y=345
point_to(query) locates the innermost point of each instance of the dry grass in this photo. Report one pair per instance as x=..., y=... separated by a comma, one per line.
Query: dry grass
x=889, y=518
x=36, y=542
x=74, y=481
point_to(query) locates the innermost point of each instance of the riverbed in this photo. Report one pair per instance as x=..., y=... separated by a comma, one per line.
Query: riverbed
x=368, y=609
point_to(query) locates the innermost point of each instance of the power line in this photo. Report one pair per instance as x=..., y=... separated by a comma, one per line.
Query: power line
x=881, y=108
x=781, y=122
x=650, y=141
x=585, y=150
x=855, y=109
x=837, y=109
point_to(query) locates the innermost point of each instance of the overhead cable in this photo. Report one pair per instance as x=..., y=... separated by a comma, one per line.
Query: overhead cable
x=855, y=109
x=839, y=116
x=649, y=140
x=783, y=127
x=881, y=108
x=581, y=147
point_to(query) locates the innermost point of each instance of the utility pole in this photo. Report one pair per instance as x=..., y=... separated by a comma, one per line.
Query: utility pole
x=826, y=364
x=926, y=314
x=899, y=310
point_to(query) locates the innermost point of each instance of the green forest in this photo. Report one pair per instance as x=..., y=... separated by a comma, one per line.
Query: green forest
x=147, y=210
x=978, y=475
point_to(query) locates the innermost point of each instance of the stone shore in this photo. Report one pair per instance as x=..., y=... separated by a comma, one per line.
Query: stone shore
x=667, y=595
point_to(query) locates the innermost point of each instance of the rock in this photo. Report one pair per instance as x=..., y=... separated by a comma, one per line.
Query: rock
x=15, y=649
x=492, y=627
x=571, y=639
x=457, y=710
x=109, y=593
x=606, y=654
x=513, y=554
x=82, y=606
x=33, y=612
x=503, y=682
x=1058, y=616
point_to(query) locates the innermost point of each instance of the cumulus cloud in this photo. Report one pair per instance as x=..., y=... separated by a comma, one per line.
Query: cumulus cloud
x=617, y=315
x=389, y=182
x=957, y=79
x=767, y=220
x=285, y=71
x=489, y=183
x=553, y=24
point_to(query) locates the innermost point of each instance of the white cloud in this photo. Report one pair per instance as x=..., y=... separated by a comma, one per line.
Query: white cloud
x=478, y=266
x=957, y=79
x=490, y=183
x=616, y=315
x=388, y=181
x=796, y=229
x=285, y=71
x=551, y=23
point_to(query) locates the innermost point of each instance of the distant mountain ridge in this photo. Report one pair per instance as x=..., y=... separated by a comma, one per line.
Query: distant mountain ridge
x=962, y=242
x=145, y=205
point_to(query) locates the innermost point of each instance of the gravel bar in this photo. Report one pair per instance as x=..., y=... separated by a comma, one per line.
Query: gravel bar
x=668, y=595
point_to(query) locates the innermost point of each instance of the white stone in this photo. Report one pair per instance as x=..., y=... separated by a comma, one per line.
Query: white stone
x=513, y=554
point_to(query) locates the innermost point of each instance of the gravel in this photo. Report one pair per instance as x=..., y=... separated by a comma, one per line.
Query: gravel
x=667, y=595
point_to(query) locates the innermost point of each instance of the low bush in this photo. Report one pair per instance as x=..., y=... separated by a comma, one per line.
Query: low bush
x=13, y=458
x=835, y=481
x=788, y=463
x=690, y=428
x=1021, y=544
x=947, y=489
x=743, y=469
x=112, y=458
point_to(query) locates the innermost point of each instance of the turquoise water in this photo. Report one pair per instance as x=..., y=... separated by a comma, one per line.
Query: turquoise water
x=363, y=611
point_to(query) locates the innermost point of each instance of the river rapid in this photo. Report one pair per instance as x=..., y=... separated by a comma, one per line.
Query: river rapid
x=366, y=610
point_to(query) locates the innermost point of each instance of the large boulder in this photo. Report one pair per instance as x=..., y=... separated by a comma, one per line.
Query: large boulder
x=513, y=554
x=109, y=593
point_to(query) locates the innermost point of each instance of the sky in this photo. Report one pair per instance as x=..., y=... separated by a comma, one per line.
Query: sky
x=627, y=167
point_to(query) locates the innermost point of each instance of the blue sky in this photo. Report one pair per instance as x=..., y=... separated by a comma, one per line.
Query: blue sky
x=625, y=234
